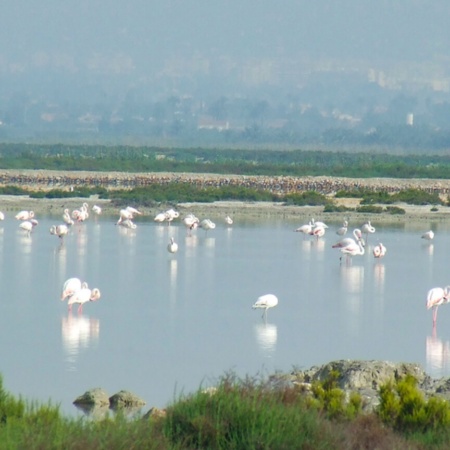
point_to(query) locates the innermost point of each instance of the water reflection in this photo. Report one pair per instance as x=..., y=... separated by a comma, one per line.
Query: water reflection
x=352, y=278
x=266, y=337
x=78, y=332
x=173, y=271
x=437, y=355
x=379, y=272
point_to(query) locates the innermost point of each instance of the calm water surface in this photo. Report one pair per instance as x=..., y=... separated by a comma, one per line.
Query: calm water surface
x=167, y=324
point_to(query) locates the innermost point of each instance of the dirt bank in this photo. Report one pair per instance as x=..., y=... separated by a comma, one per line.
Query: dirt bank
x=45, y=180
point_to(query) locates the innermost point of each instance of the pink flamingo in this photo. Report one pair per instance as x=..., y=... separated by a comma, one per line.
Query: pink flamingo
x=436, y=297
x=379, y=250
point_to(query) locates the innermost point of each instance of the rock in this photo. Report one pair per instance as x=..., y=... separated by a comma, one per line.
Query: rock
x=125, y=399
x=366, y=378
x=93, y=397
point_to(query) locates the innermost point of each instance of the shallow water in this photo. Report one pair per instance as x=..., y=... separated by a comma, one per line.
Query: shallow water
x=167, y=324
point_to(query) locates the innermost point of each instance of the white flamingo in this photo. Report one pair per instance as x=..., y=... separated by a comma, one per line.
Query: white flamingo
x=59, y=230
x=207, y=224
x=305, y=229
x=28, y=225
x=128, y=223
x=347, y=241
x=2, y=216
x=97, y=210
x=367, y=229
x=228, y=220
x=171, y=214
x=67, y=217
x=436, y=297
x=341, y=231
x=353, y=249
x=71, y=286
x=24, y=215
x=429, y=235
x=160, y=217
x=190, y=222
x=265, y=302
x=172, y=247
x=83, y=296
x=318, y=224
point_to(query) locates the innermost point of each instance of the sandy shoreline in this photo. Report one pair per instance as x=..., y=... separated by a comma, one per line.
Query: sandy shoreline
x=45, y=180
x=11, y=204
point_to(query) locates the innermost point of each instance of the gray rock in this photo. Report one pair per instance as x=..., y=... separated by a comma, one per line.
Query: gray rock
x=93, y=397
x=366, y=378
x=125, y=399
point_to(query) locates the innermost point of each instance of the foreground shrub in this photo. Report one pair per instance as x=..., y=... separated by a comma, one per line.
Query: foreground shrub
x=403, y=406
x=247, y=415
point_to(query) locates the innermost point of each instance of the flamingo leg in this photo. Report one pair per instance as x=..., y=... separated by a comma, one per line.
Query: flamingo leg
x=435, y=315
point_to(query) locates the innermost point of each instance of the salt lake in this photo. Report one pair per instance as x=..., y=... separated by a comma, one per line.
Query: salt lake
x=167, y=324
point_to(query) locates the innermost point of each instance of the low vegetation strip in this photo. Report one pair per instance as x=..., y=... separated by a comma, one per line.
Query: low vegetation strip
x=48, y=179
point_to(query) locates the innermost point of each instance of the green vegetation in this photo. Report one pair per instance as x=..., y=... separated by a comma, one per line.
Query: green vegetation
x=222, y=161
x=403, y=407
x=242, y=414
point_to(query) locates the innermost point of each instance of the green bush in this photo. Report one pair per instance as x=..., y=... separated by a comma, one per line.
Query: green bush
x=370, y=209
x=403, y=407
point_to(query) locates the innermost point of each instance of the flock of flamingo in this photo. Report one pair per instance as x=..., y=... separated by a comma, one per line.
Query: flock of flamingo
x=77, y=292
x=356, y=246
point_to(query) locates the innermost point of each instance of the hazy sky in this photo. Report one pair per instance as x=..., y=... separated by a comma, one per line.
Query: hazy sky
x=153, y=29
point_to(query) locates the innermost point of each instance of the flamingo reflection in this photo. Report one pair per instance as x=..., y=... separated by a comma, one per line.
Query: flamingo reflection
x=437, y=355
x=78, y=332
x=266, y=337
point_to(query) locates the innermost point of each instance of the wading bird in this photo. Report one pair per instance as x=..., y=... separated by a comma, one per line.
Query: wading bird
x=379, y=250
x=83, y=296
x=436, y=297
x=429, y=235
x=173, y=246
x=265, y=302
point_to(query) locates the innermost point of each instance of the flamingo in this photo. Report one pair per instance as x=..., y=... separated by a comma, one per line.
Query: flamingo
x=67, y=218
x=379, y=250
x=436, y=297
x=347, y=241
x=265, y=302
x=228, y=220
x=305, y=229
x=28, y=225
x=190, y=222
x=342, y=230
x=207, y=224
x=128, y=223
x=71, y=286
x=82, y=296
x=97, y=210
x=173, y=246
x=24, y=215
x=160, y=217
x=318, y=231
x=2, y=216
x=133, y=211
x=429, y=235
x=318, y=224
x=59, y=230
x=353, y=249
x=171, y=214
x=367, y=229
